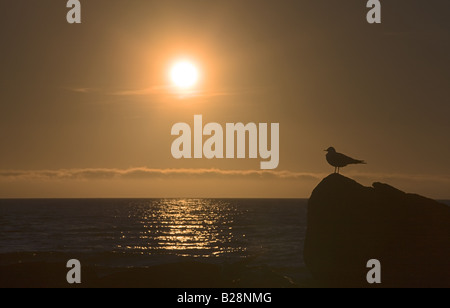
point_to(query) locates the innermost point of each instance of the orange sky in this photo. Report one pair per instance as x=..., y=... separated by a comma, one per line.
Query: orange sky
x=86, y=110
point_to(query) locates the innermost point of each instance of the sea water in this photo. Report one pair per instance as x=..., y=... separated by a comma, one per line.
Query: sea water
x=147, y=232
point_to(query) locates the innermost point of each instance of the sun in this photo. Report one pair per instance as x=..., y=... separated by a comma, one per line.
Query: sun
x=184, y=74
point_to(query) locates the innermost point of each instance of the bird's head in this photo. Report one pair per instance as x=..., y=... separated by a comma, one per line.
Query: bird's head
x=330, y=150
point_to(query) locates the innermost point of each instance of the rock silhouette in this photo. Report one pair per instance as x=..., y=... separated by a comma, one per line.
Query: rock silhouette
x=349, y=224
x=172, y=275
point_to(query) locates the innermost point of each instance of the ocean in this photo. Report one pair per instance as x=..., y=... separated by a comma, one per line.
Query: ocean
x=118, y=234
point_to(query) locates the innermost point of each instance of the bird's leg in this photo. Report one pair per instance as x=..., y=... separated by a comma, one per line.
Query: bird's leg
x=338, y=170
x=335, y=169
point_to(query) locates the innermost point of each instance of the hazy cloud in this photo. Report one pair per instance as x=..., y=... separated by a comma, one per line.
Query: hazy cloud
x=151, y=173
x=171, y=91
x=83, y=90
x=160, y=91
x=143, y=173
x=155, y=90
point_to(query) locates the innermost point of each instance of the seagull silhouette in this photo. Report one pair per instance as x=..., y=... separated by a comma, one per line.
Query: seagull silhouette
x=338, y=160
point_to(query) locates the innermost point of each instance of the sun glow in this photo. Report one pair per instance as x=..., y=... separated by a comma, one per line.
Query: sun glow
x=184, y=74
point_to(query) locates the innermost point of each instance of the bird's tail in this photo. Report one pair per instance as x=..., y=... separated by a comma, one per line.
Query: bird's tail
x=362, y=162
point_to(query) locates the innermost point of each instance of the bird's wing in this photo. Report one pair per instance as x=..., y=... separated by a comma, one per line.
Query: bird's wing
x=346, y=159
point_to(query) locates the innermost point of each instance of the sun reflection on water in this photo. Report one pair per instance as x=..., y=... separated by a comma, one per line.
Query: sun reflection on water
x=183, y=227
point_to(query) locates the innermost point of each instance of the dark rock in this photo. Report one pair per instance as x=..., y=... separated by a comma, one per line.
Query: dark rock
x=174, y=275
x=349, y=224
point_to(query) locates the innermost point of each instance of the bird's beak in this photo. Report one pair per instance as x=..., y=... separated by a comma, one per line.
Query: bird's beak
x=325, y=150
